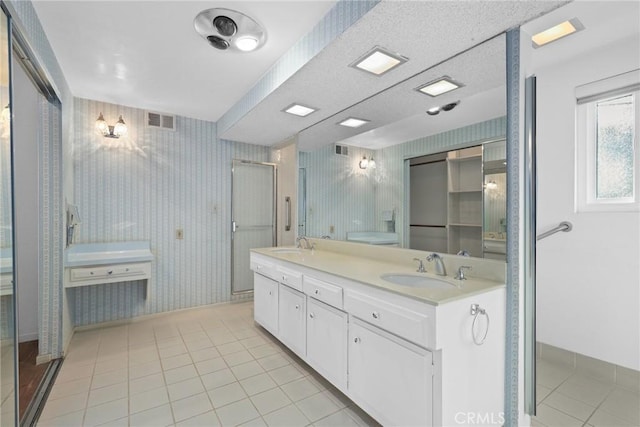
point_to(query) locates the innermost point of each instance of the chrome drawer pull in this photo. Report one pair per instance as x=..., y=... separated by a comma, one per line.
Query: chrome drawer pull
x=356, y=340
x=311, y=316
x=110, y=272
x=375, y=315
x=317, y=291
x=297, y=307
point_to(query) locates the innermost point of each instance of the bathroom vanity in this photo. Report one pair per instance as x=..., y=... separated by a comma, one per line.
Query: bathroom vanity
x=398, y=343
x=88, y=264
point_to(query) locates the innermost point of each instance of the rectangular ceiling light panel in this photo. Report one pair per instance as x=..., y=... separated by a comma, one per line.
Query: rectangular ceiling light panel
x=378, y=61
x=556, y=32
x=353, y=122
x=299, y=110
x=439, y=86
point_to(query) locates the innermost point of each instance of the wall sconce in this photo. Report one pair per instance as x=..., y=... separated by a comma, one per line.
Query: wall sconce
x=367, y=163
x=107, y=131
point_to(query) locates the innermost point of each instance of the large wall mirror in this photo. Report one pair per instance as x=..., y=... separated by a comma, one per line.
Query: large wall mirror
x=426, y=181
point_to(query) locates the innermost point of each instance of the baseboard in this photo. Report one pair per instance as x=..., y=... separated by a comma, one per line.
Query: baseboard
x=43, y=358
x=28, y=337
x=145, y=317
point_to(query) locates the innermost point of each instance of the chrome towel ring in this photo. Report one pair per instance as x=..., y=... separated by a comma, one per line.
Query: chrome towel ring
x=476, y=311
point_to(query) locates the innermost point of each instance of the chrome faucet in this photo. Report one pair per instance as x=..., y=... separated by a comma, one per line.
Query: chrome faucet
x=440, y=270
x=421, y=268
x=299, y=244
x=460, y=274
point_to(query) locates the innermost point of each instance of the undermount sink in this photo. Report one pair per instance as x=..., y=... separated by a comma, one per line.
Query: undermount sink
x=285, y=250
x=415, y=281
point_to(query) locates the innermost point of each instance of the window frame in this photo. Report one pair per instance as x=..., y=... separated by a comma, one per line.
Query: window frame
x=586, y=150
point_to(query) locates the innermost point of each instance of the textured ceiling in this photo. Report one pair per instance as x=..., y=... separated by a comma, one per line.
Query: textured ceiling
x=147, y=54
x=427, y=32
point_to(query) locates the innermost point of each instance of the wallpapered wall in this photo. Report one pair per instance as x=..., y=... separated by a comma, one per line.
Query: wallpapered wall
x=143, y=187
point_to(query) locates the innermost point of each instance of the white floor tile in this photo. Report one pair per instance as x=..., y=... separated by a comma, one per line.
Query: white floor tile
x=196, y=336
x=110, y=378
x=237, y=413
x=263, y=351
x=237, y=358
x=208, y=419
x=199, y=344
x=247, y=370
x=102, y=414
x=286, y=374
x=252, y=342
x=69, y=388
x=72, y=419
x=300, y=389
x=204, y=354
x=218, y=379
x=180, y=374
x=144, y=369
x=257, y=384
x=289, y=416
x=575, y=408
x=269, y=401
x=184, y=389
x=210, y=365
x=339, y=419
x=107, y=394
x=191, y=406
x=147, y=383
x=552, y=417
x=111, y=365
x=258, y=422
x=65, y=405
x=604, y=419
x=273, y=362
x=172, y=351
x=590, y=392
x=623, y=404
x=148, y=399
x=156, y=417
x=226, y=394
x=74, y=372
x=176, y=361
x=317, y=406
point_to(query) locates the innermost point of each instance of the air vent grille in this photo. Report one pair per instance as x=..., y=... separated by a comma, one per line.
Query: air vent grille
x=161, y=121
x=342, y=150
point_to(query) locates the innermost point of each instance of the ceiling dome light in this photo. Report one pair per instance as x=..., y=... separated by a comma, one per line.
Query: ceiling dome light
x=433, y=111
x=230, y=30
x=246, y=43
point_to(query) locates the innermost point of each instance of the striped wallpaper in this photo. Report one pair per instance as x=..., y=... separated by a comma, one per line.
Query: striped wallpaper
x=339, y=193
x=143, y=188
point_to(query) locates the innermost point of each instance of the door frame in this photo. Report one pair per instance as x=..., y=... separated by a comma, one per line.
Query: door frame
x=234, y=163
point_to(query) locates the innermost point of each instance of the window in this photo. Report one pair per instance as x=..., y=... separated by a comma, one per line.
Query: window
x=608, y=161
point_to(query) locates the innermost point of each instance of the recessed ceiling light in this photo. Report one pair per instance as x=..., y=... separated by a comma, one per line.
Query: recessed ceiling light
x=439, y=86
x=557, y=32
x=299, y=110
x=378, y=61
x=352, y=122
x=247, y=43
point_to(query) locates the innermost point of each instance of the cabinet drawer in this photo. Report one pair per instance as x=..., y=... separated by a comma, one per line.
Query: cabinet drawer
x=107, y=272
x=411, y=325
x=323, y=291
x=264, y=268
x=290, y=278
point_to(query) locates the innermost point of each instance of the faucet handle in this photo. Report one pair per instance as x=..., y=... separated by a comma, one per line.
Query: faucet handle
x=421, y=268
x=460, y=274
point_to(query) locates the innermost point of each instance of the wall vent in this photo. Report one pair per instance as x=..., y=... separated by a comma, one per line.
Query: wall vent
x=161, y=121
x=342, y=150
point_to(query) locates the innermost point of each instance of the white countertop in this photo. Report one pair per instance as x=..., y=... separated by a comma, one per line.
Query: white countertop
x=367, y=268
x=82, y=254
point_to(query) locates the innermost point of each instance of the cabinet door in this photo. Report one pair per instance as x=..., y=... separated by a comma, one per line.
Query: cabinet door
x=291, y=320
x=265, y=302
x=327, y=342
x=388, y=377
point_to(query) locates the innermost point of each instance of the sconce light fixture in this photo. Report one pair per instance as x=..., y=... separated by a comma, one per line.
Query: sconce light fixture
x=367, y=163
x=116, y=131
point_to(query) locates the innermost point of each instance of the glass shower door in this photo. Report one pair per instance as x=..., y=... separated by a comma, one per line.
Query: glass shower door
x=7, y=295
x=253, y=214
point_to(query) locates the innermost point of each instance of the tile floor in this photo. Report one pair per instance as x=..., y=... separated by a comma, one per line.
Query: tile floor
x=205, y=367
x=569, y=398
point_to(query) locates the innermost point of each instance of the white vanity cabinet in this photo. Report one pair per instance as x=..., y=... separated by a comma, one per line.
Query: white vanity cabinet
x=265, y=306
x=390, y=378
x=327, y=342
x=291, y=319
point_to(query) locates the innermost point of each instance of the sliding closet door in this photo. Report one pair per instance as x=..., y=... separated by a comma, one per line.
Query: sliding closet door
x=7, y=294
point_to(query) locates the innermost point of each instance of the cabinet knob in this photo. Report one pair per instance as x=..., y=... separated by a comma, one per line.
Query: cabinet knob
x=375, y=315
x=110, y=272
x=311, y=315
x=284, y=278
x=317, y=291
x=259, y=267
x=270, y=293
x=297, y=307
x=356, y=340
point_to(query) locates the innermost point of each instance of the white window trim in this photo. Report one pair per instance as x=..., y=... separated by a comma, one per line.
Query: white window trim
x=586, y=200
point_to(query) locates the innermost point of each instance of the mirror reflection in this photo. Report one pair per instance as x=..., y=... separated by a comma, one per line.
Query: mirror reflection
x=427, y=181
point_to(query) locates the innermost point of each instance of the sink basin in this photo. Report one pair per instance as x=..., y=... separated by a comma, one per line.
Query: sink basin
x=285, y=250
x=415, y=281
